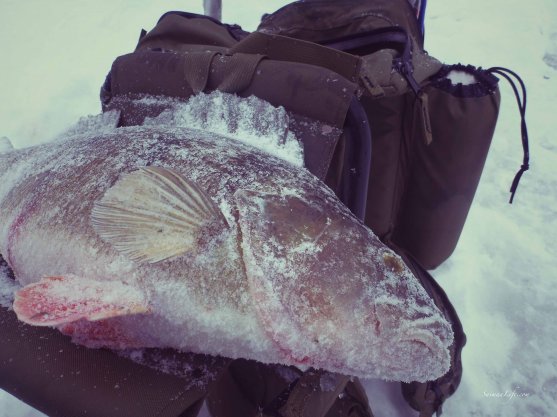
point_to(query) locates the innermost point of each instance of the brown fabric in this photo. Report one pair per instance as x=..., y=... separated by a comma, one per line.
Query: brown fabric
x=319, y=141
x=333, y=179
x=317, y=106
x=321, y=21
x=301, y=88
x=43, y=368
x=200, y=65
x=379, y=79
x=352, y=402
x=177, y=33
x=443, y=176
x=388, y=160
x=281, y=48
x=239, y=80
x=188, y=59
x=421, y=186
x=317, y=98
x=314, y=394
x=248, y=387
x=252, y=389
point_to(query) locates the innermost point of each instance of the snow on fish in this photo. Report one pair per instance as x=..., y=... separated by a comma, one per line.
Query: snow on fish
x=175, y=237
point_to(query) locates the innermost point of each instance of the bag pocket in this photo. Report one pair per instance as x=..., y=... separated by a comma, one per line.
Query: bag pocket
x=443, y=176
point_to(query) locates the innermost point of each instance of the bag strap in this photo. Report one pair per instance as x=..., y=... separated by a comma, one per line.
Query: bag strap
x=176, y=29
x=521, y=101
x=282, y=48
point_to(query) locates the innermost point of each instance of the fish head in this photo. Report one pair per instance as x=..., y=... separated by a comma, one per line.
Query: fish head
x=332, y=296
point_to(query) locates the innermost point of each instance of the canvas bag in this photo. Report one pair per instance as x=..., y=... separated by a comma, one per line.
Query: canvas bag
x=430, y=139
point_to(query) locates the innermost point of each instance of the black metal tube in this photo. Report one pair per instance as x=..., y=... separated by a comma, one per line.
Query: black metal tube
x=357, y=160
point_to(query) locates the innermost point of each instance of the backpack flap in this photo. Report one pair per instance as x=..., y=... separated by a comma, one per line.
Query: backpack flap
x=180, y=31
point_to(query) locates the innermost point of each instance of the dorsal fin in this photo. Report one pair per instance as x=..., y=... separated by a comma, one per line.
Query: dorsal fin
x=153, y=214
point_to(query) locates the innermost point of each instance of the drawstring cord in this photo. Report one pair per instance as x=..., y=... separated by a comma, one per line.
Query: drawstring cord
x=506, y=73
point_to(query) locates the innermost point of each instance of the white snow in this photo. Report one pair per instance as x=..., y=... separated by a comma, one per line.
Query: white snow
x=461, y=77
x=501, y=277
x=5, y=144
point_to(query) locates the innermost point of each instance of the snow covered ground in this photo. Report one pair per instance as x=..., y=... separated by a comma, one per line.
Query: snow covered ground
x=501, y=277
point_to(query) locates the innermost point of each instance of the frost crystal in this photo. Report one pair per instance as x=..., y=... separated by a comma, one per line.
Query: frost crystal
x=94, y=125
x=250, y=120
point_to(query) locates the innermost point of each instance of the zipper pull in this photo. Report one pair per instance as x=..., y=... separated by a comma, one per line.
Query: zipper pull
x=404, y=68
x=423, y=103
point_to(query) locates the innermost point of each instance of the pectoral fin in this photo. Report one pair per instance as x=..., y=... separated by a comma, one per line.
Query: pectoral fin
x=59, y=300
x=154, y=214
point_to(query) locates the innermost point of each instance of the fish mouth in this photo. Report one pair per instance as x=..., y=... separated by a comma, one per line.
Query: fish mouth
x=395, y=347
x=413, y=346
x=420, y=352
x=418, y=356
